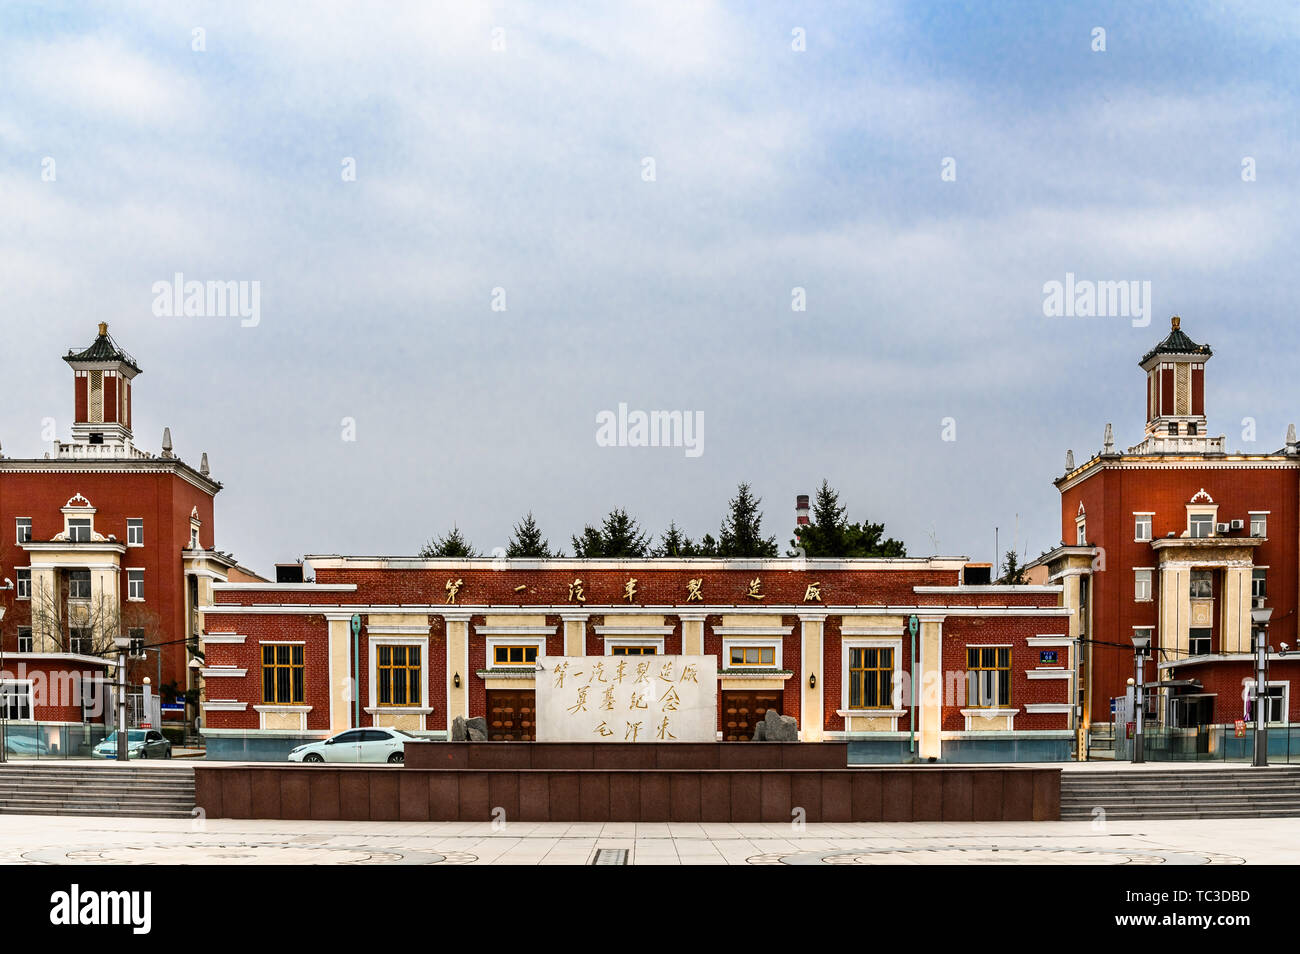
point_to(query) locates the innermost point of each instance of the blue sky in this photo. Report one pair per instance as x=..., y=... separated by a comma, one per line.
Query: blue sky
x=522, y=169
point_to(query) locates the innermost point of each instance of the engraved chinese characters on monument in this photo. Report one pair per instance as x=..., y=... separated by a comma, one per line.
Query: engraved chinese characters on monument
x=627, y=699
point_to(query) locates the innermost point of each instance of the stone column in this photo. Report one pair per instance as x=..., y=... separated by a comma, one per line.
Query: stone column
x=457, y=663
x=929, y=687
x=811, y=720
x=692, y=633
x=340, y=669
x=575, y=633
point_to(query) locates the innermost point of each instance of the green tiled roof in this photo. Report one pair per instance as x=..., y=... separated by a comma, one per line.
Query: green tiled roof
x=103, y=348
x=1176, y=343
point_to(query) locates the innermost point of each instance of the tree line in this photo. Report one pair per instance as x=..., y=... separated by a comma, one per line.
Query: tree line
x=829, y=533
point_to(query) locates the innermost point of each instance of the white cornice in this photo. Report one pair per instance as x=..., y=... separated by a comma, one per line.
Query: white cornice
x=287, y=587
x=463, y=613
x=338, y=562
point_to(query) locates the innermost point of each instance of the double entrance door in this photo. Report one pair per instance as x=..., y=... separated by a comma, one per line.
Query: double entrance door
x=743, y=709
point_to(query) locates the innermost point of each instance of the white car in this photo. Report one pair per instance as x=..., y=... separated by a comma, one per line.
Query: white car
x=356, y=745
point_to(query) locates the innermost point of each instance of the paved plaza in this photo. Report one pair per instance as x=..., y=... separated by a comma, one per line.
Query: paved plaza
x=98, y=841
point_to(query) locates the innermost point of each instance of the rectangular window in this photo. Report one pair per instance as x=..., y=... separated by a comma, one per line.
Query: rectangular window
x=514, y=655
x=79, y=530
x=1198, y=642
x=78, y=584
x=1202, y=584
x=194, y=538
x=1259, y=524
x=136, y=637
x=988, y=676
x=24, y=584
x=1142, y=585
x=398, y=675
x=134, y=532
x=282, y=674
x=871, y=678
x=16, y=700
x=23, y=529
x=1259, y=583
x=135, y=584
x=1200, y=524
x=24, y=639
x=1141, y=526
x=753, y=656
x=1081, y=534
x=633, y=650
x=81, y=641
x=1173, y=428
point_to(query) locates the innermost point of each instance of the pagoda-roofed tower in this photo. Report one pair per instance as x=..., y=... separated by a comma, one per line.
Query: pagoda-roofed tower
x=1175, y=393
x=102, y=380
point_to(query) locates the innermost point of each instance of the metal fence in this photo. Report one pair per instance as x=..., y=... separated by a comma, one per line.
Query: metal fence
x=41, y=740
x=1207, y=743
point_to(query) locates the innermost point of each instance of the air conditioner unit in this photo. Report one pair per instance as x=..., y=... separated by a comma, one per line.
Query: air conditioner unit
x=1239, y=525
x=1222, y=527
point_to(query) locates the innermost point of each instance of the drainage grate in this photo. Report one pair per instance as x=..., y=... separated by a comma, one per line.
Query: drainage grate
x=610, y=856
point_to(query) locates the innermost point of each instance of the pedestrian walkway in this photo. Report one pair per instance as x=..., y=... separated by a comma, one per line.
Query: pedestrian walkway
x=77, y=840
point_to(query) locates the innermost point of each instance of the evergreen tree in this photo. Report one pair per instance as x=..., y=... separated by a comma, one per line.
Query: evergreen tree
x=526, y=541
x=742, y=528
x=618, y=536
x=829, y=533
x=453, y=544
x=674, y=543
x=1012, y=571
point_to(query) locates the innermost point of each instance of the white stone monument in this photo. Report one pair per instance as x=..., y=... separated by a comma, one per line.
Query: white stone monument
x=627, y=699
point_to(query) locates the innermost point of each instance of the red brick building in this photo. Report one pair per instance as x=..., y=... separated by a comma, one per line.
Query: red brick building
x=100, y=539
x=824, y=641
x=1179, y=540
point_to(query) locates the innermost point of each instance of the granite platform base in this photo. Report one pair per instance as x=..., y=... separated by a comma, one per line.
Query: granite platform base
x=675, y=782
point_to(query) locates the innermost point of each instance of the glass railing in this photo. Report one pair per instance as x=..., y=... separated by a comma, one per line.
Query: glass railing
x=1211, y=743
x=41, y=740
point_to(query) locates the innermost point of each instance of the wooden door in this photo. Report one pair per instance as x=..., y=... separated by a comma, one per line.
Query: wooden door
x=511, y=715
x=741, y=710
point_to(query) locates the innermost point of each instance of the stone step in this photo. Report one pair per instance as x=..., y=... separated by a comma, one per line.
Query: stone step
x=40, y=808
x=1151, y=815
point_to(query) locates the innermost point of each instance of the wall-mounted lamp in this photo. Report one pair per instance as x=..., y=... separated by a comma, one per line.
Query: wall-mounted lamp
x=455, y=680
x=812, y=681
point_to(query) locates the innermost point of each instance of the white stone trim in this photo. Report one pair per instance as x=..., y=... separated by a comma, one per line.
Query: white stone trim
x=463, y=613
x=272, y=587
x=655, y=641
x=894, y=642
x=224, y=637
x=972, y=714
x=398, y=630
x=1049, y=673
x=1003, y=588
x=211, y=672
x=1049, y=640
x=1048, y=708
x=223, y=705
x=894, y=714
x=761, y=642
x=695, y=564
x=373, y=641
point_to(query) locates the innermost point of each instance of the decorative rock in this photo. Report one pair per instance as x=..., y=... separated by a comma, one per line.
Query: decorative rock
x=780, y=728
x=759, y=734
x=476, y=729
x=458, y=730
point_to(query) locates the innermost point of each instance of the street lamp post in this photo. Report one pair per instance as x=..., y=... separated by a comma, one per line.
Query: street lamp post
x=1260, y=617
x=1141, y=643
x=123, y=643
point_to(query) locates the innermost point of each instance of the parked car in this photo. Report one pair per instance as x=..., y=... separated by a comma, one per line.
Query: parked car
x=140, y=744
x=356, y=745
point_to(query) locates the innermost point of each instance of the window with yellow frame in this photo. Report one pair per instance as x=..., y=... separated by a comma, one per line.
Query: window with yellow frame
x=988, y=675
x=282, y=674
x=746, y=656
x=634, y=650
x=398, y=675
x=871, y=678
x=514, y=655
